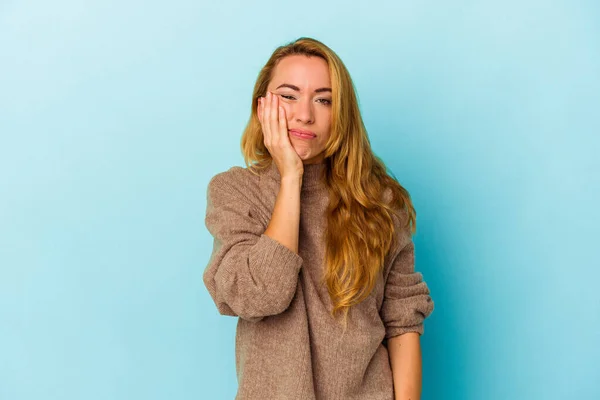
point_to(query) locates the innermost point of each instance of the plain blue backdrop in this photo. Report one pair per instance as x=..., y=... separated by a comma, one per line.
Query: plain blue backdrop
x=114, y=115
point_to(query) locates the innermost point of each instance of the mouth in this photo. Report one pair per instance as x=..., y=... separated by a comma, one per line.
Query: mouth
x=300, y=133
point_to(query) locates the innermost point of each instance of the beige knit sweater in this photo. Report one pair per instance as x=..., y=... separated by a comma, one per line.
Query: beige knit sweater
x=288, y=346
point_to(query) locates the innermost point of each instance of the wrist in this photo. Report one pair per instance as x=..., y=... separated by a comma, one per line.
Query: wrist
x=292, y=180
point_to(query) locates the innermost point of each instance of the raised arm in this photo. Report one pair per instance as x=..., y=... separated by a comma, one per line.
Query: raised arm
x=285, y=221
x=253, y=271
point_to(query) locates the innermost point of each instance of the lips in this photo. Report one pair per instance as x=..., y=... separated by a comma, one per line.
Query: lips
x=303, y=133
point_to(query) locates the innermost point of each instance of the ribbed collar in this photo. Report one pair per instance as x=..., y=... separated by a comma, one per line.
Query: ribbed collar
x=313, y=177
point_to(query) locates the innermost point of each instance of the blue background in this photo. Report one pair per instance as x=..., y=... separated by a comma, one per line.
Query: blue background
x=115, y=115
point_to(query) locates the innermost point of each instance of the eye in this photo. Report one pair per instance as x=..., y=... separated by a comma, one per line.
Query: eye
x=325, y=101
x=287, y=97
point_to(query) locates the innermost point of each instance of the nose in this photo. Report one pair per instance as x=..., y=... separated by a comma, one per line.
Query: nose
x=303, y=111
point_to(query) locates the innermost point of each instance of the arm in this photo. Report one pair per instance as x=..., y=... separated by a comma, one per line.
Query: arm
x=285, y=221
x=405, y=305
x=405, y=360
x=251, y=274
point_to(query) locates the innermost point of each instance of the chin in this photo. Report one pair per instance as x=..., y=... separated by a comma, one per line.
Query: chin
x=303, y=153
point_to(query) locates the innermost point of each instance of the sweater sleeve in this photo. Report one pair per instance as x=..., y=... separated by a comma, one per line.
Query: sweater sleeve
x=406, y=301
x=249, y=274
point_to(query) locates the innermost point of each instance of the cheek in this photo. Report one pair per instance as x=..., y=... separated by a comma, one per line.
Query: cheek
x=325, y=118
x=324, y=112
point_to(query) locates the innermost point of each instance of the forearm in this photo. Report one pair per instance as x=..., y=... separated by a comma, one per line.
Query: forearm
x=285, y=221
x=405, y=359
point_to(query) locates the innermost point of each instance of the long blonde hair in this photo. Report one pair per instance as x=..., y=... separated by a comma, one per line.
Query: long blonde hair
x=360, y=228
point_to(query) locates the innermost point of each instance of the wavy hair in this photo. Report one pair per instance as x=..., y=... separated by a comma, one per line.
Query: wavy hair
x=363, y=197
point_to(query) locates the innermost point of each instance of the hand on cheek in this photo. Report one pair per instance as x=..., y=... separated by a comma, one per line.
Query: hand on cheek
x=272, y=117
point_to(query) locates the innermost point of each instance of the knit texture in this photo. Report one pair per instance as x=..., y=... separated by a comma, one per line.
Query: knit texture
x=288, y=346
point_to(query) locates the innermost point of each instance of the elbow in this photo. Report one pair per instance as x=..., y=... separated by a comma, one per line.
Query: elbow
x=404, y=315
x=224, y=309
x=251, y=300
x=255, y=303
x=253, y=282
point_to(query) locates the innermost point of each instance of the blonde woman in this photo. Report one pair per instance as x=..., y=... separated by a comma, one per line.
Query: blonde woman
x=313, y=245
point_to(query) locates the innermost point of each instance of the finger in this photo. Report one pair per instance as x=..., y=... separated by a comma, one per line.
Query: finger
x=266, y=118
x=274, y=121
x=283, y=123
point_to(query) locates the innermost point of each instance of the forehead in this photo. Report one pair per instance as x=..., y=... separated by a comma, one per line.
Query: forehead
x=303, y=71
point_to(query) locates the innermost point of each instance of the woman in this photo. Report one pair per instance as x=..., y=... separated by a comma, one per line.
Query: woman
x=313, y=245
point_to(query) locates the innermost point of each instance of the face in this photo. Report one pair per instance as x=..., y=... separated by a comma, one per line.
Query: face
x=303, y=87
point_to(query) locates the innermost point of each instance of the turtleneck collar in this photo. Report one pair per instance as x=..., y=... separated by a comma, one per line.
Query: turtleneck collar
x=312, y=178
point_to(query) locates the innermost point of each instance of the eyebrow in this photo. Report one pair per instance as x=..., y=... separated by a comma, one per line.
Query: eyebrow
x=296, y=88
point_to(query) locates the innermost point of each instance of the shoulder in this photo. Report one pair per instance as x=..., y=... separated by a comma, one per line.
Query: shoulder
x=231, y=178
x=234, y=183
x=239, y=191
